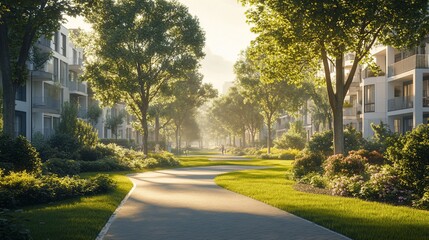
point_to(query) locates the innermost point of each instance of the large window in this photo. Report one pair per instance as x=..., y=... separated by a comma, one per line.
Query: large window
x=55, y=72
x=63, y=72
x=21, y=93
x=369, y=98
x=426, y=93
x=20, y=123
x=56, y=42
x=63, y=45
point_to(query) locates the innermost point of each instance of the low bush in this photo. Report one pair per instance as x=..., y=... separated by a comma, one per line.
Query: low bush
x=120, y=142
x=165, y=159
x=386, y=186
x=103, y=165
x=321, y=143
x=373, y=157
x=90, y=154
x=290, y=140
x=62, y=167
x=22, y=188
x=410, y=157
x=151, y=163
x=422, y=203
x=19, y=154
x=346, y=186
x=351, y=165
x=314, y=179
x=307, y=164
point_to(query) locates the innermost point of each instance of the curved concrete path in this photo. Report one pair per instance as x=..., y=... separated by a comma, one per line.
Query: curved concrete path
x=186, y=204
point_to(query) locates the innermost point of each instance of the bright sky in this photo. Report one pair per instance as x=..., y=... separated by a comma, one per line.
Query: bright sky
x=227, y=33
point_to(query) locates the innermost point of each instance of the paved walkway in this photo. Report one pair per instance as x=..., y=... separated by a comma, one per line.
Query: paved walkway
x=186, y=204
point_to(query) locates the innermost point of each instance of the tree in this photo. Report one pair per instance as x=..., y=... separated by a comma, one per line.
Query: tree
x=329, y=29
x=113, y=121
x=272, y=97
x=21, y=24
x=140, y=46
x=189, y=93
x=94, y=113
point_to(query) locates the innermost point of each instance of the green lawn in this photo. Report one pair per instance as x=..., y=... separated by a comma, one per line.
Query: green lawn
x=354, y=218
x=81, y=218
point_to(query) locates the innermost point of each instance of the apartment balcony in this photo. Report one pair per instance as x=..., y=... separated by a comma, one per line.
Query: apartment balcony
x=399, y=103
x=425, y=101
x=78, y=88
x=44, y=45
x=418, y=61
x=47, y=104
x=76, y=66
x=41, y=76
x=367, y=73
x=351, y=111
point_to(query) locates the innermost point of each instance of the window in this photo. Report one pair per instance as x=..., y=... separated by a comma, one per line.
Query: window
x=20, y=123
x=397, y=125
x=408, y=124
x=56, y=42
x=369, y=98
x=63, y=45
x=21, y=93
x=55, y=69
x=63, y=72
x=426, y=93
x=75, y=57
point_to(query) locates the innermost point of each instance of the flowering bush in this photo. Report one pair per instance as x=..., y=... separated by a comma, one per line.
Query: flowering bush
x=386, y=186
x=348, y=166
x=346, y=186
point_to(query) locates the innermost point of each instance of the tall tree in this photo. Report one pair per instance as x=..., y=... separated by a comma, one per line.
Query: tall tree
x=21, y=24
x=328, y=29
x=141, y=45
x=273, y=96
x=189, y=93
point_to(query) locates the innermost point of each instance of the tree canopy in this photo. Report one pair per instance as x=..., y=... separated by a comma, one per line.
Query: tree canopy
x=326, y=30
x=140, y=46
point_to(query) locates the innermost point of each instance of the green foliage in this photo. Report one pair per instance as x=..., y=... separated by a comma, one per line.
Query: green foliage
x=113, y=122
x=321, y=143
x=22, y=188
x=62, y=145
x=352, y=139
x=62, y=167
x=338, y=164
x=107, y=164
x=85, y=134
x=20, y=154
x=314, y=179
x=120, y=142
x=94, y=113
x=290, y=140
x=12, y=227
x=385, y=185
x=165, y=159
x=423, y=203
x=307, y=164
x=373, y=157
x=410, y=157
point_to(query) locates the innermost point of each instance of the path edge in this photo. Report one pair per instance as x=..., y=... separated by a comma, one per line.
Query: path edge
x=109, y=222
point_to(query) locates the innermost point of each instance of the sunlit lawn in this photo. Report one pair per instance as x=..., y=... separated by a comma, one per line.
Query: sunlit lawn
x=83, y=218
x=354, y=218
x=80, y=218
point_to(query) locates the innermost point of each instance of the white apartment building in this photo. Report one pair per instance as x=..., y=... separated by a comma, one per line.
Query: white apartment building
x=399, y=95
x=39, y=101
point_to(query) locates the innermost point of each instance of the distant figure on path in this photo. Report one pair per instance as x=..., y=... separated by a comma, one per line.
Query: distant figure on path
x=222, y=149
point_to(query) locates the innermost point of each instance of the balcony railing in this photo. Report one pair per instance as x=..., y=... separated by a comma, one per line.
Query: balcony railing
x=77, y=87
x=399, y=103
x=351, y=111
x=417, y=61
x=426, y=101
x=369, y=107
x=46, y=103
x=367, y=73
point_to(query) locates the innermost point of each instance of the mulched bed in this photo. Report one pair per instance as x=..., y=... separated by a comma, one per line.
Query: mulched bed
x=310, y=189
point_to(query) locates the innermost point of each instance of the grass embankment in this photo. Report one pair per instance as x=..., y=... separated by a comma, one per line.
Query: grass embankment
x=354, y=218
x=80, y=218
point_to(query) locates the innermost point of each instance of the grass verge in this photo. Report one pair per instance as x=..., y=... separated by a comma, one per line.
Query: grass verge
x=355, y=218
x=76, y=219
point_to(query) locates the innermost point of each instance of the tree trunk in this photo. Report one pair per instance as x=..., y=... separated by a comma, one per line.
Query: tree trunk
x=177, y=140
x=233, y=141
x=338, y=129
x=244, y=138
x=269, y=140
x=145, y=132
x=156, y=129
x=9, y=89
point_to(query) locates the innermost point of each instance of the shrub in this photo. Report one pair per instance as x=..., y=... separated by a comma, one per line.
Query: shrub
x=66, y=146
x=307, y=164
x=103, y=165
x=19, y=153
x=165, y=159
x=348, y=166
x=423, y=203
x=321, y=143
x=373, y=157
x=352, y=139
x=386, y=186
x=410, y=157
x=236, y=151
x=89, y=154
x=11, y=227
x=150, y=163
x=85, y=134
x=22, y=188
x=314, y=179
x=62, y=167
x=346, y=185
x=120, y=142
x=290, y=140
x=289, y=154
